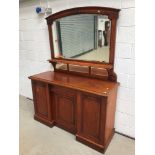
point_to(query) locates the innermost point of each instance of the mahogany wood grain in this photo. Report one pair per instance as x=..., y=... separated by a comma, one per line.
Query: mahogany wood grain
x=87, y=71
x=110, y=114
x=91, y=120
x=83, y=63
x=65, y=107
x=85, y=84
x=92, y=114
x=51, y=40
x=79, y=96
x=112, y=15
x=80, y=105
x=111, y=12
x=42, y=103
x=99, y=71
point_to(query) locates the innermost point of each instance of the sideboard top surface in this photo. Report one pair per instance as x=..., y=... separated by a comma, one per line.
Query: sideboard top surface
x=94, y=86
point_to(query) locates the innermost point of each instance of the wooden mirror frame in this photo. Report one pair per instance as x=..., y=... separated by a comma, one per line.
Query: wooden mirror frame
x=112, y=15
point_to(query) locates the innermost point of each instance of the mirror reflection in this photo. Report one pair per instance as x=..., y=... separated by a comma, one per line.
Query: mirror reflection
x=82, y=37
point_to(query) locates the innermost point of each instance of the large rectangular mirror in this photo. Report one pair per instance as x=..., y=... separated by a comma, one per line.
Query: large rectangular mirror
x=82, y=37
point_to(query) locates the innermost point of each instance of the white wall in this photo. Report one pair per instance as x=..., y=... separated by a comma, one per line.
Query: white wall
x=34, y=51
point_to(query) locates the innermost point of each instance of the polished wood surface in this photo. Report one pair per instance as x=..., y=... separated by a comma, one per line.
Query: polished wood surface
x=65, y=107
x=79, y=96
x=83, y=63
x=111, y=12
x=94, y=86
x=86, y=71
x=91, y=112
x=112, y=15
x=42, y=103
x=80, y=105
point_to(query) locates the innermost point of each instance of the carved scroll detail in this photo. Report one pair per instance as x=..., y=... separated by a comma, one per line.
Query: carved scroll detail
x=112, y=75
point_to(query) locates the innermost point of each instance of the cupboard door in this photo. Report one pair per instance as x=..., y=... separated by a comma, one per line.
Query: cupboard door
x=40, y=99
x=91, y=117
x=65, y=103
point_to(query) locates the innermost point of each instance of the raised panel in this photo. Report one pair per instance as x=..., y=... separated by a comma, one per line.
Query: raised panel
x=91, y=113
x=77, y=105
x=65, y=110
x=65, y=104
x=41, y=99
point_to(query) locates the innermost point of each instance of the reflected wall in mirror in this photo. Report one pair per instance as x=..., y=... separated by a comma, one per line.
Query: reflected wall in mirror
x=82, y=37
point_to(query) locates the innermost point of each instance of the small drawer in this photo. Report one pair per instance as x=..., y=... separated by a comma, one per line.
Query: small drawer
x=63, y=91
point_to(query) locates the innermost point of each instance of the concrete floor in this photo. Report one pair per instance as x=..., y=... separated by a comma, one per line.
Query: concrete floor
x=38, y=139
x=100, y=54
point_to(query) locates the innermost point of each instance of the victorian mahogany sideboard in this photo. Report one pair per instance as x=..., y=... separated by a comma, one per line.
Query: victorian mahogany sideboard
x=80, y=105
x=79, y=95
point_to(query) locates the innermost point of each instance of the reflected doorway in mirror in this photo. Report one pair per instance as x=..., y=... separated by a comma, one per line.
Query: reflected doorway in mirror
x=84, y=34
